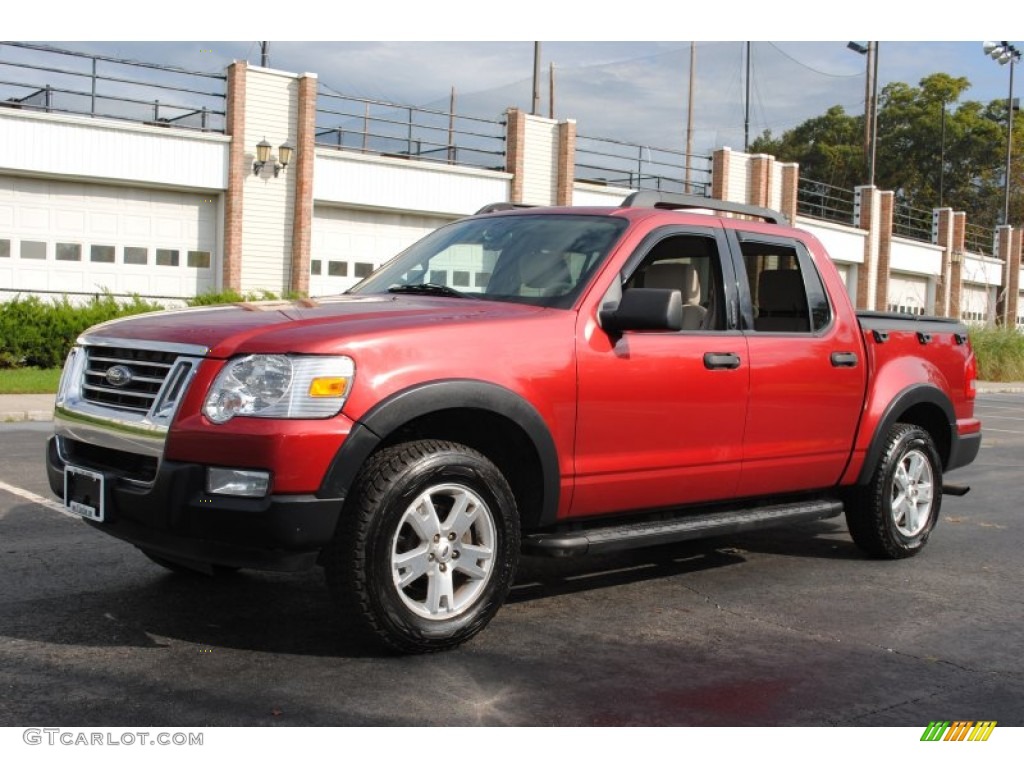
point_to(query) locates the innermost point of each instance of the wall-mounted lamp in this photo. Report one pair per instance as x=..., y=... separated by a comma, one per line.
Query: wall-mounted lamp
x=284, y=154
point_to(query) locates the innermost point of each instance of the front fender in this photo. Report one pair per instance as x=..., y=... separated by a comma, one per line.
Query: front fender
x=407, y=405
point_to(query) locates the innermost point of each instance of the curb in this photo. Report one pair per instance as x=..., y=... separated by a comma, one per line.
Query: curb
x=13, y=417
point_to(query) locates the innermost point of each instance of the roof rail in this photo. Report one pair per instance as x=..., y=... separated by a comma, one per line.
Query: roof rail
x=495, y=207
x=671, y=200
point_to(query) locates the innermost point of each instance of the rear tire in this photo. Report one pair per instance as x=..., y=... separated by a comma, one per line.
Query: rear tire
x=426, y=549
x=894, y=514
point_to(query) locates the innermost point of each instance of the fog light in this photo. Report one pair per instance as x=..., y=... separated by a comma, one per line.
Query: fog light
x=237, y=482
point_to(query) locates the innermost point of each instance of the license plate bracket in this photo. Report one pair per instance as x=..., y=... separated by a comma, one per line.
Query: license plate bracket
x=85, y=492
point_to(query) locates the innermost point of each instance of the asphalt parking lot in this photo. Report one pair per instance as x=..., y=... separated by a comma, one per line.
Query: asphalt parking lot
x=784, y=627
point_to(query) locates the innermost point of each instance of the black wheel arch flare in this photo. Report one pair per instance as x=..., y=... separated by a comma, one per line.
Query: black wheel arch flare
x=905, y=401
x=407, y=405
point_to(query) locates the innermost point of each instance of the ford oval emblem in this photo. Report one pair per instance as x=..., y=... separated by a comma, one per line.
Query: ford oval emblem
x=119, y=375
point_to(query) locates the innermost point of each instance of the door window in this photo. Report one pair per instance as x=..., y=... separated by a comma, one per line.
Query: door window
x=689, y=264
x=786, y=291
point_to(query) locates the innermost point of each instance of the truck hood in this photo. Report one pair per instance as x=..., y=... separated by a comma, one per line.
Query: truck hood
x=308, y=325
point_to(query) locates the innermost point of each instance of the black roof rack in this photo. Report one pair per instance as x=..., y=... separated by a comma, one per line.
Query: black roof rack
x=495, y=207
x=672, y=201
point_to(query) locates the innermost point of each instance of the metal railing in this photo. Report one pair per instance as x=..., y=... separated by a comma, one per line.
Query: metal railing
x=979, y=239
x=634, y=166
x=398, y=130
x=818, y=200
x=912, y=223
x=41, y=77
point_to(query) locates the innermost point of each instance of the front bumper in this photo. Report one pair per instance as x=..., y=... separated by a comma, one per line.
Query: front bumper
x=174, y=516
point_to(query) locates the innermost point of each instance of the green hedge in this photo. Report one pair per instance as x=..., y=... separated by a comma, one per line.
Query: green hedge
x=38, y=333
x=1000, y=353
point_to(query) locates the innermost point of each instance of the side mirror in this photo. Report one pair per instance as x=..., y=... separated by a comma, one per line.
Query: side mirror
x=644, y=309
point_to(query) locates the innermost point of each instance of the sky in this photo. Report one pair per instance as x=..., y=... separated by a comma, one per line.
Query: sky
x=614, y=83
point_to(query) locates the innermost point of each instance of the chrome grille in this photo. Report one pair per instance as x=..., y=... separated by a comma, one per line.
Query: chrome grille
x=147, y=371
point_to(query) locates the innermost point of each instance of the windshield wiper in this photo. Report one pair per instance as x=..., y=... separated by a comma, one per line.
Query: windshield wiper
x=433, y=289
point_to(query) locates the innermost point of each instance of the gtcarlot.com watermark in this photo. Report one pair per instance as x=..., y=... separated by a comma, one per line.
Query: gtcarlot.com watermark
x=71, y=738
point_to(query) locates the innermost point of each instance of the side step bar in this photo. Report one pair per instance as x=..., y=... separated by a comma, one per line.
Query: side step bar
x=609, y=538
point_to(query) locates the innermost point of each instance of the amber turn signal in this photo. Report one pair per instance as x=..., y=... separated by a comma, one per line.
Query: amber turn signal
x=328, y=386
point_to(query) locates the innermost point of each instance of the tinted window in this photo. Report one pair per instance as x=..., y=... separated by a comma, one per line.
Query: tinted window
x=534, y=259
x=69, y=252
x=691, y=265
x=785, y=290
x=102, y=253
x=166, y=257
x=199, y=259
x=135, y=255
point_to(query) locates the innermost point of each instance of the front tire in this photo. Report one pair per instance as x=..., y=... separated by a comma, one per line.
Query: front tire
x=893, y=515
x=426, y=549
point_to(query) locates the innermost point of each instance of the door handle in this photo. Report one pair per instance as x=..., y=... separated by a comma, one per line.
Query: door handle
x=844, y=359
x=721, y=361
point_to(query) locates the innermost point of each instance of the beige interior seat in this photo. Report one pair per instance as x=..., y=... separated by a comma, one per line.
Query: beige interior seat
x=781, y=302
x=683, y=278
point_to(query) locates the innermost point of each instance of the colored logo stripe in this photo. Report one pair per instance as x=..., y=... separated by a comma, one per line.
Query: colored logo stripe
x=960, y=730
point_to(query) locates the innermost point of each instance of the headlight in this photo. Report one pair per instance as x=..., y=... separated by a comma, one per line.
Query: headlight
x=280, y=387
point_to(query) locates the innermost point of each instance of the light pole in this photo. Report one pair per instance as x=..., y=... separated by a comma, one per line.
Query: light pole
x=1005, y=53
x=870, y=103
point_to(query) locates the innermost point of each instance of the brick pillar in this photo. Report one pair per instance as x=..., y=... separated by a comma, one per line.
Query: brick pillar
x=866, y=209
x=886, y=201
x=759, y=189
x=944, y=238
x=566, y=162
x=790, y=182
x=1009, y=239
x=231, y=275
x=515, y=151
x=720, y=161
x=956, y=266
x=302, y=168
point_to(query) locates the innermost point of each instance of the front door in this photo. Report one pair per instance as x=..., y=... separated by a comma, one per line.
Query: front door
x=661, y=414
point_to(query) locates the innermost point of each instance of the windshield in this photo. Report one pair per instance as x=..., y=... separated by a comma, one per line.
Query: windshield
x=543, y=260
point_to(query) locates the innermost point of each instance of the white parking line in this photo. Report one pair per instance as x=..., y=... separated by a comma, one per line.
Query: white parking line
x=35, y=498
x=1007, y=418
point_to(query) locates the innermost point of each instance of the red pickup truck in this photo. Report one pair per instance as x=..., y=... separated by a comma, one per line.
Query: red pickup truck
x=551, y=381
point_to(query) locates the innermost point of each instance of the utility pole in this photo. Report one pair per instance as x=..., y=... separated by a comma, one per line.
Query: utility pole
x=874, y=115
x=942, y=157
x=536, y=79
x=870, y=104
x=265, y=54
x=746, y=108
x=551, y=91
x=689, y=115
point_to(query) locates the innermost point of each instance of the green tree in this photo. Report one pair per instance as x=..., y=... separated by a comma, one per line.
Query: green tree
x=922, y=154
x=829, y=147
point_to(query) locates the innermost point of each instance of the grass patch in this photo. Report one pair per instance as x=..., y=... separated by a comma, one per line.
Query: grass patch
x=29, y=381
x=1000, y=353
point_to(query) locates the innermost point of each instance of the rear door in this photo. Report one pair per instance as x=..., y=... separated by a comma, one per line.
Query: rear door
x=807, y=372
x=661, y=414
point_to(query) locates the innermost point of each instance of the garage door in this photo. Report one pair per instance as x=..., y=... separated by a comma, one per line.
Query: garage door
x=975, y=303
x=81, y=239
x=908, y=293
x=348, y=244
